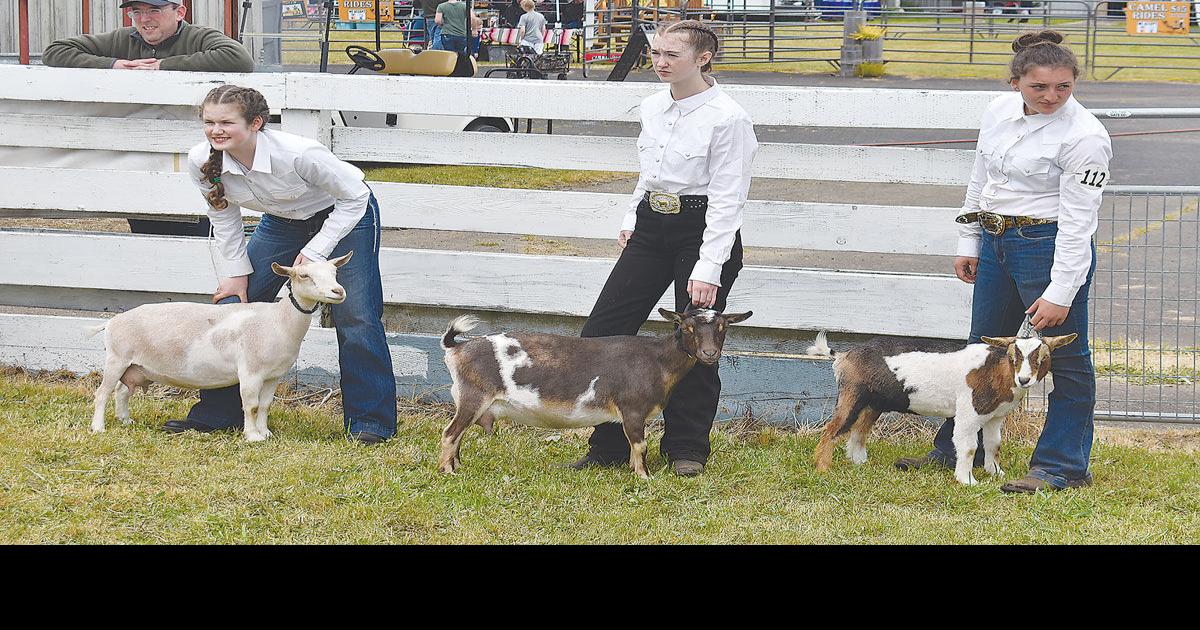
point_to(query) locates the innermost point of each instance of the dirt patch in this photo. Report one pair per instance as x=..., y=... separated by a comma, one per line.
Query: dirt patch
x=90, y=225
x=1154, y=440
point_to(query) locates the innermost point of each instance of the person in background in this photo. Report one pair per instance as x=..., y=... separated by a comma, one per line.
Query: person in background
x=433, y=32
x=452, y=17
x=476, y=33
x=531, y=29
x=160, y=39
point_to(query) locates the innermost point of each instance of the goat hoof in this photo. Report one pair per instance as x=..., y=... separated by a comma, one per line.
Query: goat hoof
x=969, y=481
x=97, y=428
x=255, y=437
x=126, y=421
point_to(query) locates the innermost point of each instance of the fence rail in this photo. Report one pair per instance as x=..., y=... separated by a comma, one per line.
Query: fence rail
x=1148, y=237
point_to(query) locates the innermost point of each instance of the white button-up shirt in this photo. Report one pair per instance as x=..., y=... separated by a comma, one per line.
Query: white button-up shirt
x=701, y=145
x=1046, y=167
x=292, y=177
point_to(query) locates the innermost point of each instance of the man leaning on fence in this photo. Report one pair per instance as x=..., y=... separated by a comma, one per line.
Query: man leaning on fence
x=160, y=39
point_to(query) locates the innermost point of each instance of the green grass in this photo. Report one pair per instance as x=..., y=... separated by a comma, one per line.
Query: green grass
x=135, y=484
x=490, y=176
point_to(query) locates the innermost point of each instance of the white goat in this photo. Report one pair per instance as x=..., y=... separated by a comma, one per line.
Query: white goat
x=206, y=346
x=976, y=386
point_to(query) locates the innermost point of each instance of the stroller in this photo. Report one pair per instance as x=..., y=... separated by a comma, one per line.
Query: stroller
x=525, y=63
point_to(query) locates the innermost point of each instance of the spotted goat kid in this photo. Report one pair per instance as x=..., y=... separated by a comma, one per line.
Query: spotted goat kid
x=572, y=382
x=977, y=386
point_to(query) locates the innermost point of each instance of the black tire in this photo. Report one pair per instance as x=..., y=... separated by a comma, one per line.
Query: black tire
x=485, y=127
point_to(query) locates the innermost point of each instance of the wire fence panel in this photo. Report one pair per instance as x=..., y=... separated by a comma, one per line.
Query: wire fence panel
x=1143, y=306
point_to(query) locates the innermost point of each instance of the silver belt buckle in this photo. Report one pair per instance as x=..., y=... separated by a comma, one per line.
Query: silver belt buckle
x=665, y=203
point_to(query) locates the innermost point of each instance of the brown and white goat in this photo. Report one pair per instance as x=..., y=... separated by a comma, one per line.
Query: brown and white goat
x=977, y=386
x=205, y=346
x=572, y=382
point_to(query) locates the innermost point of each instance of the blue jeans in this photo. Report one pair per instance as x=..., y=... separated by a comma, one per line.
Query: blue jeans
x=367, y=381
x=1014, y=270
x=455, y=43
x=433, y=35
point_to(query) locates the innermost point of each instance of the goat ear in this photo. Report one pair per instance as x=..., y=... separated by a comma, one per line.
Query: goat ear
x=280, y=270
x=338, y=262
x=1057, y=342
x=737, y=317
x=671, y=316
x=999, y=342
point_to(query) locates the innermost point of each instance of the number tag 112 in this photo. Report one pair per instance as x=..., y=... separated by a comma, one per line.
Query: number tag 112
x=1092, y=176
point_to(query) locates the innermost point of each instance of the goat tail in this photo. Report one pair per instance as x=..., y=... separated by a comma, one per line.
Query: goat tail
x=821, y=347
x=92, y=331
x=458, y=326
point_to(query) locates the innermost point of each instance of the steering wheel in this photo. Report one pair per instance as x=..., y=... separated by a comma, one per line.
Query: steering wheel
x=365, y=58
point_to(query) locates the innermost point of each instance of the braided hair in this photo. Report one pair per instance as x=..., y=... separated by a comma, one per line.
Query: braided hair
x=1041, y=48
x=253, y=105
x=699, y=36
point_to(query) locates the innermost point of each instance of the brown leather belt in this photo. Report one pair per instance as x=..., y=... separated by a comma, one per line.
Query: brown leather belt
x=996, y=224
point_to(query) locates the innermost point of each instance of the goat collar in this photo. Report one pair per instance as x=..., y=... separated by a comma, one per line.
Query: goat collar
x=297, y=304
x=1027, y=330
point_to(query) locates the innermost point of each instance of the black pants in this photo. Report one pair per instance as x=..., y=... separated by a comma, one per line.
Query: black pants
x=664, y=248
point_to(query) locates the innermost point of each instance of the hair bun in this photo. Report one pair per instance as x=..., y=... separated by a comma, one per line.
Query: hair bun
x=1035, y=38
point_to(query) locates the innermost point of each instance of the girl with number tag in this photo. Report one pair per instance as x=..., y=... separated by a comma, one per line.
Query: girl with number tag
x=1031, y=209
x=682, y=226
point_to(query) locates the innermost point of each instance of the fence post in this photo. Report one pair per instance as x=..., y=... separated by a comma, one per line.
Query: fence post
x=971, y=36
x=85, y=10
x=771, y=43
x=1091, y=40
x=325, y=40
x=23, y=28
x=310, y=123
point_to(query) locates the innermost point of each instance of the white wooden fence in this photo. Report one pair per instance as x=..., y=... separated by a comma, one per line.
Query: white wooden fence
x=782, y=298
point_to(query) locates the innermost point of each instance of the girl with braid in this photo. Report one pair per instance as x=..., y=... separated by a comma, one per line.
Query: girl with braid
x=682, y=226
x=1026, y=244
x=315, y=207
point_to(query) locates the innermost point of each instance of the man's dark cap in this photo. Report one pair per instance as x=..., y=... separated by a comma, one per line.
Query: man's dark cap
x=157, y=3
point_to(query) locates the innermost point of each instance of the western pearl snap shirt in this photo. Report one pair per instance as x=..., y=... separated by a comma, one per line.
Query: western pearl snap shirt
x=700, y=145
x=1045, y=167
x=292, y=177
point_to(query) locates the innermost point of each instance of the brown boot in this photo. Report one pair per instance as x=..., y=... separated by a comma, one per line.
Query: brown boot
x=590, y=461
x=1030, y=485
x=687, y=467
x=915, y=463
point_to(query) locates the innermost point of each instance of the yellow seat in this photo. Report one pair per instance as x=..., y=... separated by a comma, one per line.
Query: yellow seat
x=433, y=63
